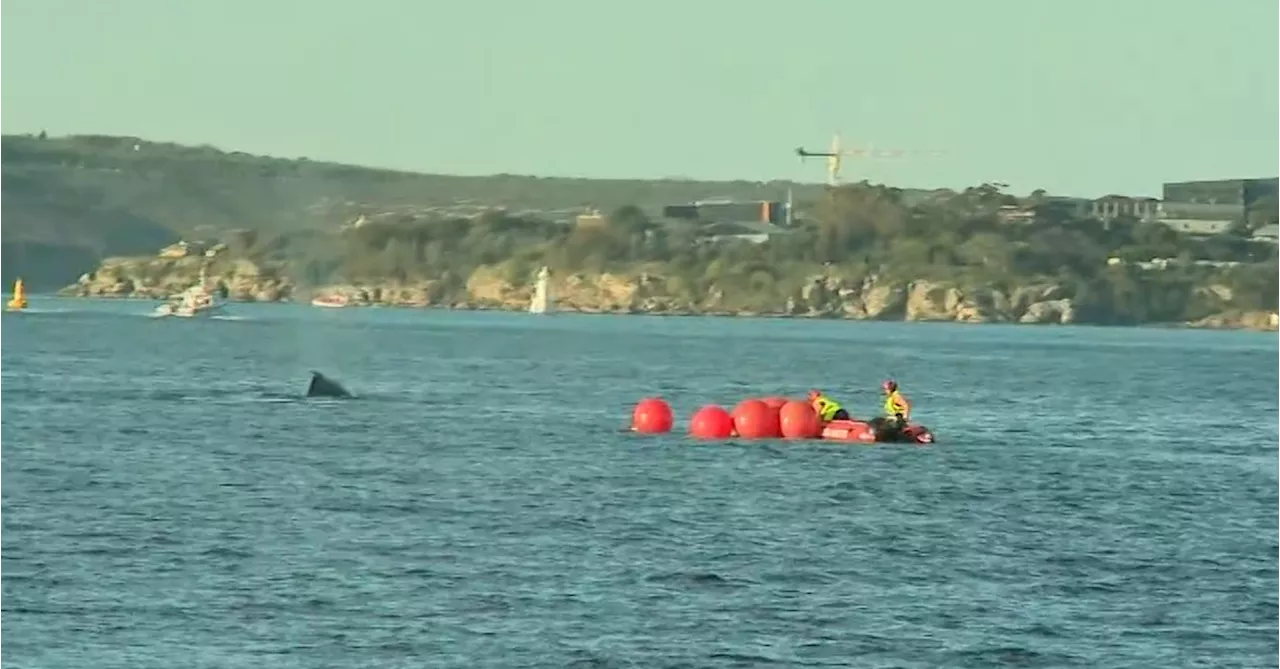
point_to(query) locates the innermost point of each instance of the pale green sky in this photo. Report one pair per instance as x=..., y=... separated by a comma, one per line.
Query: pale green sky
x=1082, y=97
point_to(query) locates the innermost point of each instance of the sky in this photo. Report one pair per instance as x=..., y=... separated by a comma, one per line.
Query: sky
x=1083, y=98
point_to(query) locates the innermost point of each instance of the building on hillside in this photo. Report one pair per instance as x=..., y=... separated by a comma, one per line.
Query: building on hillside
x=1063, y=208
x=752, y=233
x=1016, y=213
x=1224, y=201
x=589, y=218
x=729, y=211
x=721, y=221
x=182, y=249
x=1198, y=227
x=1269, y=234
x=1048, y=208
x=1236, y=192
x=1109, y=207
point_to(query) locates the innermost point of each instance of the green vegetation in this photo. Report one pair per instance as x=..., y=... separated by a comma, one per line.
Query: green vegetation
x=855, y=231
x=71, y=201
x=290, y=214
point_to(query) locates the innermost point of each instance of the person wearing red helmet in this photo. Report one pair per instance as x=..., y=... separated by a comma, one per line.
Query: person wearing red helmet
x=826, y=408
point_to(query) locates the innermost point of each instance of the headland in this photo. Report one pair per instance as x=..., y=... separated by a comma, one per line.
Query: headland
x=133, y=218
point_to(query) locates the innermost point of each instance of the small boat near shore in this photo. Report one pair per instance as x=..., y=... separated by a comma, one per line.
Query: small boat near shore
x=330, y=301
x=195, y=302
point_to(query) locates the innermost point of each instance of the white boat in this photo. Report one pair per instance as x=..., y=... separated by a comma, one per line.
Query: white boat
x=195, y=302
x=330, y=301
x=541, y=302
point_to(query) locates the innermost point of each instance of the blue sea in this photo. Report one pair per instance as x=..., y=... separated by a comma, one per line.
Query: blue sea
x=1098, y=497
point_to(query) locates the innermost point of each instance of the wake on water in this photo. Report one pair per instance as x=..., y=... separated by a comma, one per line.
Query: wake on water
x=212, y=395
x=150, y=313
x=206, y=318
x=43, y=310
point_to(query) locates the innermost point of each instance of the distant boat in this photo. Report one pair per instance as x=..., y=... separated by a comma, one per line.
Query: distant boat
x=19, y=300
x=331, y=301
x=194, y=302
x=541, y=302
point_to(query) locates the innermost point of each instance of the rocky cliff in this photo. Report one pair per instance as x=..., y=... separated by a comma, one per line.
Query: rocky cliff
x=881, y=299
x=870, y=298
x=158, y=278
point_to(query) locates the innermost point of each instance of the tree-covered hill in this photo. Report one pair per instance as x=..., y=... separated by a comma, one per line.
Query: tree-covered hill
x=69, y=201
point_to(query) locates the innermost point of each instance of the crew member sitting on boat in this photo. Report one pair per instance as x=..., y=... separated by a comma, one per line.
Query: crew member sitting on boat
x=897, y=408
x=826, y=408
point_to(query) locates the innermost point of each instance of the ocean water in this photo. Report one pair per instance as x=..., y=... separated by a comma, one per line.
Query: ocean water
x=1099, y=497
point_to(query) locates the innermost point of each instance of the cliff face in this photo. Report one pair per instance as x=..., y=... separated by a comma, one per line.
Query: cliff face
x=158, y=278
x=872, y=298
x=881, y=299
x=1240, y=320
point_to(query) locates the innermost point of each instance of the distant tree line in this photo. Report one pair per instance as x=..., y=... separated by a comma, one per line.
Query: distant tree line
x=97, y=195
x=853, y=231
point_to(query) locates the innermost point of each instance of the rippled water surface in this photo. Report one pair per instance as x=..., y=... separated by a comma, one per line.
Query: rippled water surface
x=1100, y=497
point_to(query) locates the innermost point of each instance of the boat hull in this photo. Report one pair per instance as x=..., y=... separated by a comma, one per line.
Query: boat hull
x=872, y=432
x=166, y=310
x=328, y=303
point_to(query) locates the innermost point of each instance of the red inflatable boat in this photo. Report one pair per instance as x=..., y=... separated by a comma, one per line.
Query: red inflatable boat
x=872, y=432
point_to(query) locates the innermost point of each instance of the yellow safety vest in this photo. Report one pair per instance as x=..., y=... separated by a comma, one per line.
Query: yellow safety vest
x=826, y=408
x=894, y=404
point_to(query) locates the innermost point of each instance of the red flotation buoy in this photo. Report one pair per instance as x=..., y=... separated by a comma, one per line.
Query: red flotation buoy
x=753, y=419
x=744, y=404
x=652, y=415
x=799, y=421
x=711, y=422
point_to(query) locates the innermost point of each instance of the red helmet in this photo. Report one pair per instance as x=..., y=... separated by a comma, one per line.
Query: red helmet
x=889, y=385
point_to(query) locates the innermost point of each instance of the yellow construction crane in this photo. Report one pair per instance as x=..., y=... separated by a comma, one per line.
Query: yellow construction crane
x=837, y=153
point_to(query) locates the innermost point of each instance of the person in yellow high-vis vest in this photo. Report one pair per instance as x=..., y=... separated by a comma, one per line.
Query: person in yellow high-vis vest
x=826, y=408
x=897, y=408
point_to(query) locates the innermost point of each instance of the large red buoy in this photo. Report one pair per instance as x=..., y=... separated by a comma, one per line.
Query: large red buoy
x=711, y=422
x=738, y=408
x=652, y=416
x=775, y=403
x=753, y=419
x=799, y=421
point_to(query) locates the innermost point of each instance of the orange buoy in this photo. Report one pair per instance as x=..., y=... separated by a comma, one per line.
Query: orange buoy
x=711, y=422
x=775, y=403
x=652, y=415
x=799, y=421
x=753, y=419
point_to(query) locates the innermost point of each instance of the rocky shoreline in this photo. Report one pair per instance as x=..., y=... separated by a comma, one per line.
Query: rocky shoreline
x=871, y=298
